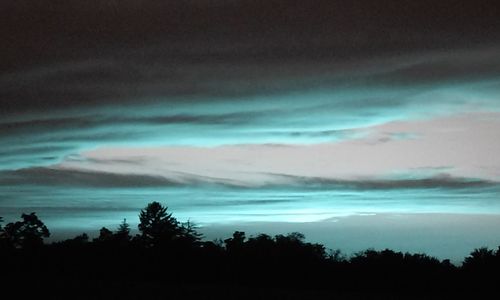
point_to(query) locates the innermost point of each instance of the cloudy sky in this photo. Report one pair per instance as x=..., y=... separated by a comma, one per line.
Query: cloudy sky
x=337, y=118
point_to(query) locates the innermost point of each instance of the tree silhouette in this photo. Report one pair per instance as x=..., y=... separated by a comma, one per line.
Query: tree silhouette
x=189, y=233
x=4, y=243
x=294, y=237
x=77, y=241
x=123, y=232
x=235, y=243
x=157, y=226
x=81, y=239
x=480, y=258
x=28, y=233
x=285, y=261
x=105, y=235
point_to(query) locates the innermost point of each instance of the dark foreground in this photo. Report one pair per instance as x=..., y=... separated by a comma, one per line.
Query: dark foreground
x=168, y=260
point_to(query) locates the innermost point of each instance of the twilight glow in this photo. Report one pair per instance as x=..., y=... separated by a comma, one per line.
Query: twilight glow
x=356, y=139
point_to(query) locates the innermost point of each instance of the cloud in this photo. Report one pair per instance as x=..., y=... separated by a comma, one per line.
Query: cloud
x=207, y=73
x=64, y=177
x=155, y=78
x=79, y=178
x=442, y=181
x=92, y=122
x=60, y=176
x=463, y=144
x=349, y=28
x=35, y=140
x=452, y=67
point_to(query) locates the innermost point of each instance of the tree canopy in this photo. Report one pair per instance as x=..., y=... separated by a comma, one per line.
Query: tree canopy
x=28, y=233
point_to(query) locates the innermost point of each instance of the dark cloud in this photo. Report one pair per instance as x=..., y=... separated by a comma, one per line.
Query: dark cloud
x=129, y=161
x=68, y=177
x=54, y=211
x=66, y=53
x=83, y=178
x=442, y=181
x=97, y=121
x=137, y=80
x=139, y=21
x=208, y=119
x=30, y=150
x=454, y=67
x=79, y=178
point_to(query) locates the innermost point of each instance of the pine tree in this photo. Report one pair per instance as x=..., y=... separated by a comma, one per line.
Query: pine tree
x=157, y=226
x=123, y=232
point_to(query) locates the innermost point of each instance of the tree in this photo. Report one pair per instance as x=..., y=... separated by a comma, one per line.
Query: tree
x=5, y=241
x=76, y=242
x=291, y=238
x=105, y=235
x=123, y=232
x=81, y=239
x=480, y=258
x=28, y=233
x=189, y=233
x=157, y=226
x=3, y=237
x=236, y=242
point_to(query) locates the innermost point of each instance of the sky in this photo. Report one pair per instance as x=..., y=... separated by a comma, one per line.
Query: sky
x=360, y=123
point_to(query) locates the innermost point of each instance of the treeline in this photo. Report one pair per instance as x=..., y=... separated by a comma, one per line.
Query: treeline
x=167, y=253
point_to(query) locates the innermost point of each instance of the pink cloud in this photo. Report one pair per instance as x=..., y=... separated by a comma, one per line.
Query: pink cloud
x=464, y=146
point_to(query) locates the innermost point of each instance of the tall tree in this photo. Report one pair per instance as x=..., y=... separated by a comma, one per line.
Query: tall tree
x=157, y=226
x=28, y=233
